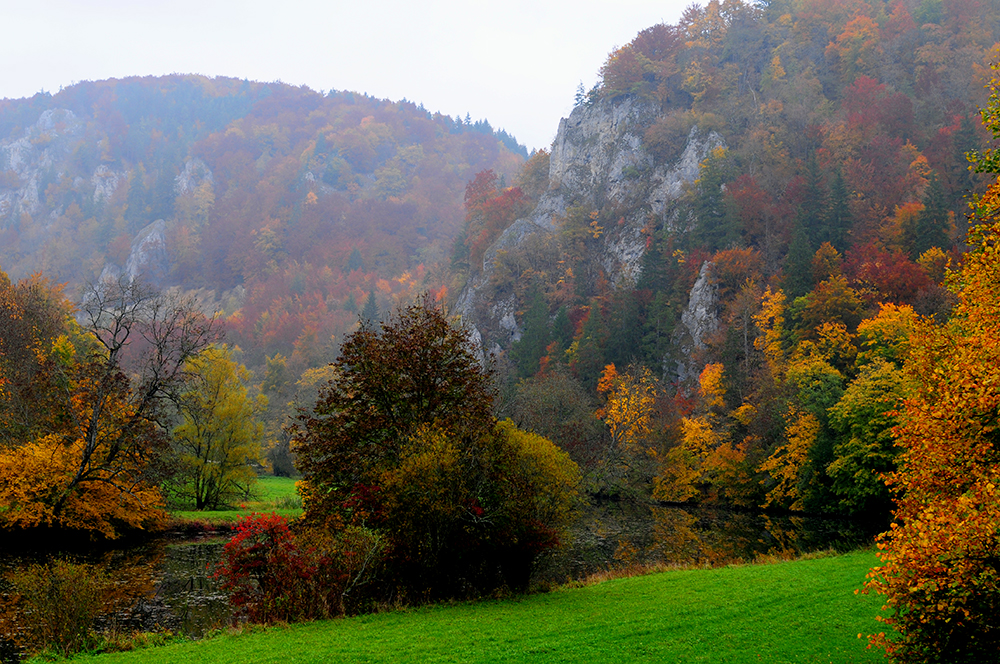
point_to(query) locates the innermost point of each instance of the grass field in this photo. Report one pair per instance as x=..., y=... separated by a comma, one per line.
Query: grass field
x=272, y=494
x=800, y=611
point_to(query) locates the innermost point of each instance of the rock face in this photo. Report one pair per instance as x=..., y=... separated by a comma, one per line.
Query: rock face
x=699, y=320
x=194, y=174
x=598, y=161
x=38, y=155
x=147, y=258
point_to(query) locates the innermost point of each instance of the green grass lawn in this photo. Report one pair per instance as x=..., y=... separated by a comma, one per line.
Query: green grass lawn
x=272, y=494
x=801, y=611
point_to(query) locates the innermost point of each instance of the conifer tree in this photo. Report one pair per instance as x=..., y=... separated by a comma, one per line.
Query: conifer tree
x=798, y=264
x=370, y=314
x=535, y=339
x=837, y=222
x=933, y=221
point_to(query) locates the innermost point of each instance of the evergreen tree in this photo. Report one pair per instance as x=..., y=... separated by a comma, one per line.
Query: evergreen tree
x=562, y=329
x=369, y=313
x=661, y=319
x=535, y=338
x=588, y=357
x=798, y=264
x=965, y=141
x=933, y=221
x=351, y=303
x=811, y=218
x=838, y=214
x=716, y=224
x=355, y=262
x=625, y=328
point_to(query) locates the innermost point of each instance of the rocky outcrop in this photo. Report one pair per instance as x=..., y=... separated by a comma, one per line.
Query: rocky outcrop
x=147, y=257
x=598, y=161
x=106, y=182
x=36, y=156
x=698, y=321
x=194, y=173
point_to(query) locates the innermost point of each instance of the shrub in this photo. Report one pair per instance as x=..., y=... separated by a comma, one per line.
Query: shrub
x=273, y=574
x=58, y=604
x=403, y=441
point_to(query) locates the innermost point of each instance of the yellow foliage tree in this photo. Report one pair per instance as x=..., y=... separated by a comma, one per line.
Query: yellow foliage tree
x=220, y=434
x=785, y=464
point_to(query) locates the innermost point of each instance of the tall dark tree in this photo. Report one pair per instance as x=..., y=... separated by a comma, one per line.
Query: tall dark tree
x=933, y=222
x=370, y=314
x=798, y=264
x=536, y=335
x=838, y=219
x=403, y=442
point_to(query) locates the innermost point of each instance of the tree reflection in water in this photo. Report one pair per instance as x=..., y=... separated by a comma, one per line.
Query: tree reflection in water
x=159, y=586
x=621, y=535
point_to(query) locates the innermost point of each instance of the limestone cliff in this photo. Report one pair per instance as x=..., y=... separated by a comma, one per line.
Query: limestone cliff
x=597, y=161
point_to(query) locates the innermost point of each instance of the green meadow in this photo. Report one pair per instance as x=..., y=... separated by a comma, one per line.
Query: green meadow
x=271, y=494
x=799, y=611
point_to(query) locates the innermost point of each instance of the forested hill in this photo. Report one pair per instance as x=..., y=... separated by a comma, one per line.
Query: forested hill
x=747, y=135
x=287, y=204
x=742, y=223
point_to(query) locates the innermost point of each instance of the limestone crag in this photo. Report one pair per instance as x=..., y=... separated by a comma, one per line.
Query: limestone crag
x=147, y=258
x=194, y=173
x=698, y=321
x=598, y=161
x=34, y=158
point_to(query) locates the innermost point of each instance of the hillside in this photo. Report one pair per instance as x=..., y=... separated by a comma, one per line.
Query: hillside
x=286, y=204
x=746, y=217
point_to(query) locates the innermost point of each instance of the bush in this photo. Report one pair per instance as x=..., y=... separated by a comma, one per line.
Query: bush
x=275, y=575
x=403, y=441
x=58, y=604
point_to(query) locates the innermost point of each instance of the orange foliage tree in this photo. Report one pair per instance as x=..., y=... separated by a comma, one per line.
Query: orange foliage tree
x=92, y=455
x=940, y=568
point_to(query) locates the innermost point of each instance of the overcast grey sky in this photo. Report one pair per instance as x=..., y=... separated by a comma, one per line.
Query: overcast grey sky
x=515, y=63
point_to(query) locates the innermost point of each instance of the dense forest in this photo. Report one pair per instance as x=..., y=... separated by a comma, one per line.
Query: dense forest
x=818, y=231
x=756, y=260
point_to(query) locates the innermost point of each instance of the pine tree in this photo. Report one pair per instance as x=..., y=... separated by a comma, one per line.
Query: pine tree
x=933, y=221
x=798, y=264
x=838, y=214
x=535, y=339
x=370, y=314
x=355, y=262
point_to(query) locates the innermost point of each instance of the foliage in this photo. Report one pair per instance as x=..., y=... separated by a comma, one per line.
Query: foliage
x=61, y=601
x=556, y=406
x=96, y=452
x=628, y=412
x=268, y=575
x=866, y=452
x=403, y=441
x=219, y=436
x=939, y=571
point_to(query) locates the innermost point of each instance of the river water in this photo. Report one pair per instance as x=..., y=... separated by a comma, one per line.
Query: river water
x=167, y=583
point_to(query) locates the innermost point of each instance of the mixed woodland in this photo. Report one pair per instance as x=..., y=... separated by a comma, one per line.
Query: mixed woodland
x=316, y=242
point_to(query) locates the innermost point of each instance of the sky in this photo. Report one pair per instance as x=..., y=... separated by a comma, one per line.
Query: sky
x=516, y=64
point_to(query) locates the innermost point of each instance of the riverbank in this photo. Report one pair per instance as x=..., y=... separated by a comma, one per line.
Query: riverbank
x=798, y=611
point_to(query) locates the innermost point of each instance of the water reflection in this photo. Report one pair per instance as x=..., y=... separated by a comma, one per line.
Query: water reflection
x=162, y=585
x=167, y=584
x=618, y=535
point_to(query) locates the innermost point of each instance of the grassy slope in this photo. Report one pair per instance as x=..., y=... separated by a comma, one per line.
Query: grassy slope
x=802, y=611
x=274, y=494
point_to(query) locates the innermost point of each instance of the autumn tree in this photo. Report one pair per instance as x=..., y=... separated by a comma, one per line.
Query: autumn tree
x=939, y=569
x=220, y=434
x=98, y=457
x=403, y=440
